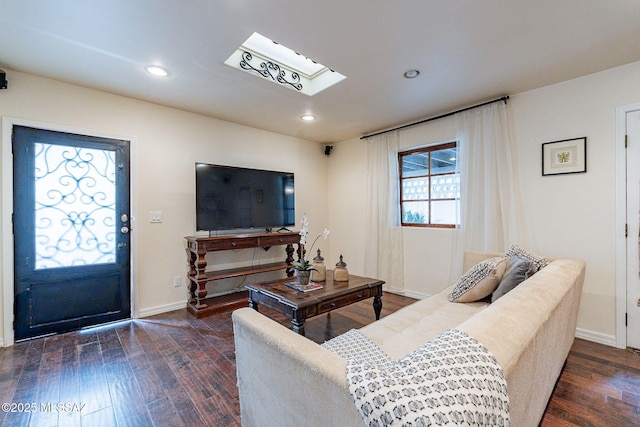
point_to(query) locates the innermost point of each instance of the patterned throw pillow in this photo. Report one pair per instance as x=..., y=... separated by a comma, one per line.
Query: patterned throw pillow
x=480, y=281
x=538, y=261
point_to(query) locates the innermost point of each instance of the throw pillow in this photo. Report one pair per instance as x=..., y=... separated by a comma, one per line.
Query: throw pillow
x=518, y=270
x=480, y=281
x=538, y=261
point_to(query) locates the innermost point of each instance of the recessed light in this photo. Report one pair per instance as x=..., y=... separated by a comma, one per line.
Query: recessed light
x=157, y=71
x=411, y=74
x=308, y=118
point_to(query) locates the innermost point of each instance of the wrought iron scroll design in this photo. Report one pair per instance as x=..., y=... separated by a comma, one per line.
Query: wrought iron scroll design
x=75, y=206
x=269, y=69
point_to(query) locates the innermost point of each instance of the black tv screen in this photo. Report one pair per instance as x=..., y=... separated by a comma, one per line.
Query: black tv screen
x=230, y=198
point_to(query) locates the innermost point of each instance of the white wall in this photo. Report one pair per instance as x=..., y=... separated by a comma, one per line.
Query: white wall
x=166, y=144
x=574, y=215
x=567, y=216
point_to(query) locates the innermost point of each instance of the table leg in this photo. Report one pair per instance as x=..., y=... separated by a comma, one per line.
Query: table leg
x=289, y=260
x=201, y=294
x=253, y=304
x=377, y=305
x=298, y=326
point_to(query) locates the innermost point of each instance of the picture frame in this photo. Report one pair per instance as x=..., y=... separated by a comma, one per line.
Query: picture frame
x=564, y=157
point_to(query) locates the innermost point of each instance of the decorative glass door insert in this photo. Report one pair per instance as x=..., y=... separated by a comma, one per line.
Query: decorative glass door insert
x=75, y=206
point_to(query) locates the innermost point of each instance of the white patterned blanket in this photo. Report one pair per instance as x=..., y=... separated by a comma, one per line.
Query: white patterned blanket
x=452, y=380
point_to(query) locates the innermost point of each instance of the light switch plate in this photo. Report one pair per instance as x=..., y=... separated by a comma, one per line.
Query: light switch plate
x=155, y=217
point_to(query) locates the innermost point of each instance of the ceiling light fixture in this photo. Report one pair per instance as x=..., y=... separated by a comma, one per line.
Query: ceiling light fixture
x=157, y=71
x=308, y=118
x=411, y=74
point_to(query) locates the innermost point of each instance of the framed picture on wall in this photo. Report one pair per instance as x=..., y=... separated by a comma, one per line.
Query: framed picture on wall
x=565, y=156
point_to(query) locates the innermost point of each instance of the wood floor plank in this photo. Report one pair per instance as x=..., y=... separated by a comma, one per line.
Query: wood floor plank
x=101, y=418
x=187, y=411
x=596, y=383
x=150, y=385
x=69, y=376
x=128, y=405
x=163, y=413
x=70, y=393
x=94, y=387
x=613, y=413
x=47, y=390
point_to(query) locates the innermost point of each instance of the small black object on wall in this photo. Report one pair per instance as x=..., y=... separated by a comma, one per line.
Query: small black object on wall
x=327, y=149
x=3, y=79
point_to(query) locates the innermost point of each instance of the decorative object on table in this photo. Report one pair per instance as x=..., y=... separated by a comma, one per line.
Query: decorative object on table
x=312, y=286
x=303, y=277
x=303, y=266
x=565, y=156
x=341, y=274
x=319, y=274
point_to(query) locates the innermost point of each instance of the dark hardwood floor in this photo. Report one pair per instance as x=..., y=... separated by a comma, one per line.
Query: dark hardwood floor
x=175, y=370
x=599, y=386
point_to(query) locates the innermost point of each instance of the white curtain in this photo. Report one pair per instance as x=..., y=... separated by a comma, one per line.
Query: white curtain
x=490, y=209
x=383, y=257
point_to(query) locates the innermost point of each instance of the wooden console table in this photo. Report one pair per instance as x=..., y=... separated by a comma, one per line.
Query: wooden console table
x=198, y=247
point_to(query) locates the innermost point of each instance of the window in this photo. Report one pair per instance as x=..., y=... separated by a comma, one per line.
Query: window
x=429, y=186
x=263, y=57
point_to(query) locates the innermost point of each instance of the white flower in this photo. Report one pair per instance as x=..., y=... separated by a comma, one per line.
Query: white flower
x=325, y=234
x=304, y=230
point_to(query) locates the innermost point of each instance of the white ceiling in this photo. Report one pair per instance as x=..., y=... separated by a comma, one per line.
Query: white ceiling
x=467, y=51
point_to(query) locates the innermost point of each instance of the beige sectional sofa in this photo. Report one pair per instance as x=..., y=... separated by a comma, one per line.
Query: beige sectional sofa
x=285, y=379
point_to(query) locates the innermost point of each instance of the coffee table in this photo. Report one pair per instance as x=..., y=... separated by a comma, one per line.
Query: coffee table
x=298, y=306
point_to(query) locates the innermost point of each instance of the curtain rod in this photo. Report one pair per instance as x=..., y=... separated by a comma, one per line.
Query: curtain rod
x=504, y=98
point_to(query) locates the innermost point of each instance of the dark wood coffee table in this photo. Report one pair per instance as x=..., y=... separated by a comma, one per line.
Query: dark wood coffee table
x=299, y=306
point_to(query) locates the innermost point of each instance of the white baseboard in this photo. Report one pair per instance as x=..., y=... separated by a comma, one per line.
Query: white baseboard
x=146, y=312
x=416, y=295
x=596, y=337
x=406, y=293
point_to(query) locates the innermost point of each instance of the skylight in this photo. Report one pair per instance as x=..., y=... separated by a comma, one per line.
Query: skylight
x=265, y=58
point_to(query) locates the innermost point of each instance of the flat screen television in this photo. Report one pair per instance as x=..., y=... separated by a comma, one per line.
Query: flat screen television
x=233, y=198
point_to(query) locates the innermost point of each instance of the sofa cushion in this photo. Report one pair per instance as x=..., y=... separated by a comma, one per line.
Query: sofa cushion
x=538, y=261
x=415, y=324
x=518, y=270
x=479, y=281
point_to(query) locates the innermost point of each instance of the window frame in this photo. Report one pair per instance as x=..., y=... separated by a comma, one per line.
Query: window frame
x=425, y=149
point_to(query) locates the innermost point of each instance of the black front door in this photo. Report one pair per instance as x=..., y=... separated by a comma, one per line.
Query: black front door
x=71, y=231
